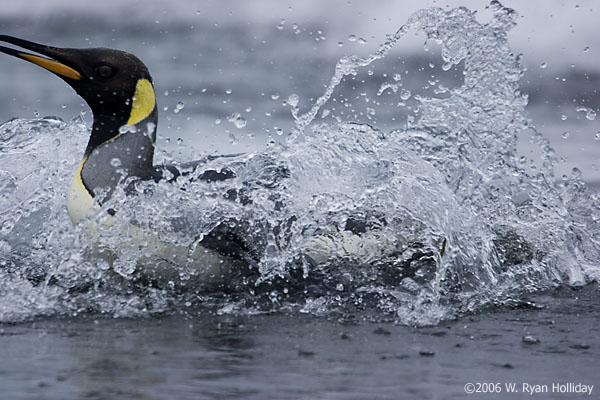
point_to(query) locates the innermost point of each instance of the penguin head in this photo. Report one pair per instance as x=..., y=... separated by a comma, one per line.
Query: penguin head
x=115, y=84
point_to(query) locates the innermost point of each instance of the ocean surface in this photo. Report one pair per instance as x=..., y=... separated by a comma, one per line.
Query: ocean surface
x=459, y=151
x=279, y=356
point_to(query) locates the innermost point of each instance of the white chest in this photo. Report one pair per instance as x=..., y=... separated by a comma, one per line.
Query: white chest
x=80, y=204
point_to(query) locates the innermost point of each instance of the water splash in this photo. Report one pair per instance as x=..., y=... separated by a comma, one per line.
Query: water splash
x=418, y=224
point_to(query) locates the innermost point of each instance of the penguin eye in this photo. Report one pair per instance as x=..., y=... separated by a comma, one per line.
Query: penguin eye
x=104, y=71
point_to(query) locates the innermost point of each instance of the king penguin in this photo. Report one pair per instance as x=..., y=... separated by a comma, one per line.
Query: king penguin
x=119, y=90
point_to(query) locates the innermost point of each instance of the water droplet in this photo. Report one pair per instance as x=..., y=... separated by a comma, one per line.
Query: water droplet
x=275, y=96
x=589, y=113
x=405, y=94
x=293, y=100
x=352, y=38
x=179, y=141
x=278, y=130
x=217, y=121
x=166, y=93
x=563, y=117
x=127, y=128
x=362, y=41
x=597, y=136
x=228, y=91
x=248, y=109
x=150, y=127
x=528, y=339
x=63, y=106
x=586, y=49
x=7, y=227
x=565, y=134
x=397, y=77
x=115, y=162
x=446, y=66
x=341, y=44
x=543, y=65
x=179, y=107
x=281, y=24
x=237, y=120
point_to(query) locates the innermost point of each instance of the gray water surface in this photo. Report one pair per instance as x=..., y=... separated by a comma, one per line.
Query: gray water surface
x=555, y=338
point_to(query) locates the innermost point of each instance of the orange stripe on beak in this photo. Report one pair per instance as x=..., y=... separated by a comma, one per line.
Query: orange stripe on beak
x=53, y=66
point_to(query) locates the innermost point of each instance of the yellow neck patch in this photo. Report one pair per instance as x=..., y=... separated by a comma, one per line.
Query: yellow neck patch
x=144, y=102
x=81, y=204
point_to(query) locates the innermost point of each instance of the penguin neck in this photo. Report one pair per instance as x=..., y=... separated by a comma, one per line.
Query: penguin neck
x=104, y=129
x=119, y=147
x=114, y=153
x=109, y=129
x=117, y=151
x=122, y=145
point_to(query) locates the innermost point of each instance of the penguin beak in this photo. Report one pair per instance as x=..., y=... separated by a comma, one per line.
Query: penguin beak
x=51, y=58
